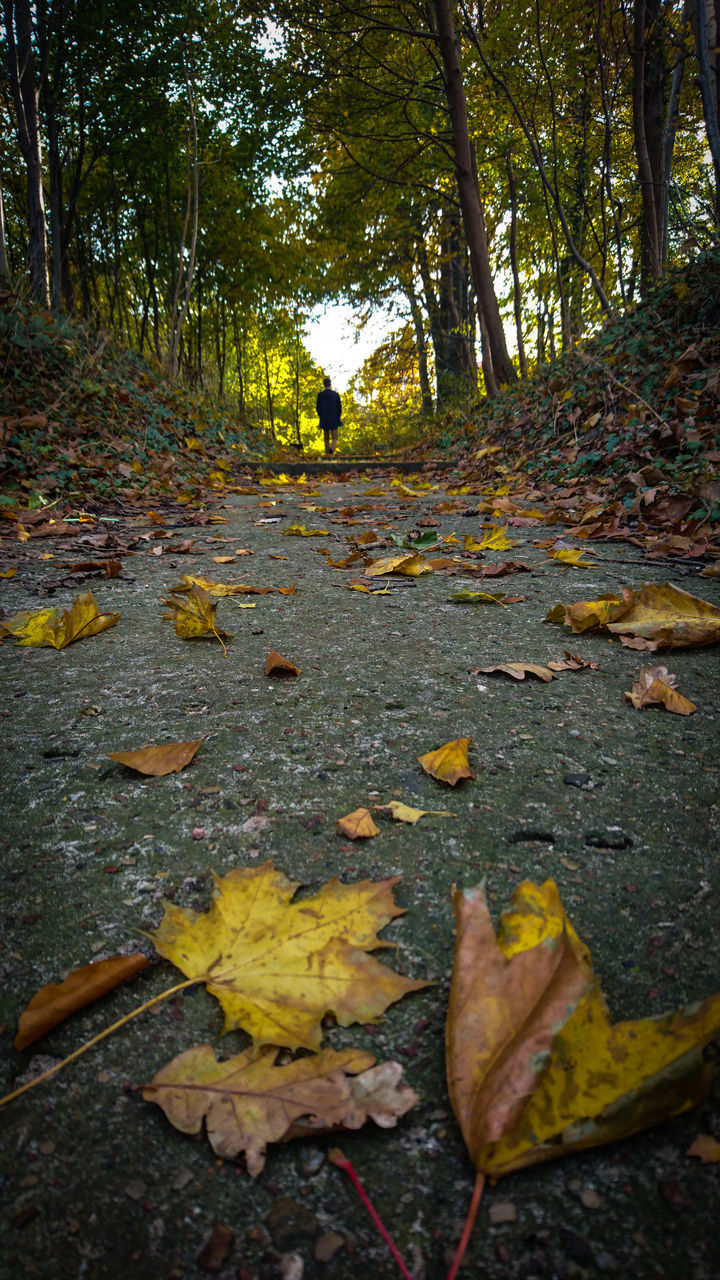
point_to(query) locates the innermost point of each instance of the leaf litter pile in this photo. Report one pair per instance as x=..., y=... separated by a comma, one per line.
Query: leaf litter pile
x=535, y=1067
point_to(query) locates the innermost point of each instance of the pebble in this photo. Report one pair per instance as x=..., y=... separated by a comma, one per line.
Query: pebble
x=502, y=1211
x=328, y=1245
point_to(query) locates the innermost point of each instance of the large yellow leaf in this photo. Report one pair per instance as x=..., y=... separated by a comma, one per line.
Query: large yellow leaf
x=404, y=562
x=299, y=531
x=669, y=618
x=448, y=763
x=47, y=628
x=278, y=967
x=535, y=1068
x=247, y=1101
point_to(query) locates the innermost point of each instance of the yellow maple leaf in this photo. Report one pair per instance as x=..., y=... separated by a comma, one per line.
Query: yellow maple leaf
x=278, y=967
x=408, y=563
x=48, y=628
x=656, y=686
x=190, y=580
x=572, y=556
x=406, y=813
x=494, y=538
x=448, y=763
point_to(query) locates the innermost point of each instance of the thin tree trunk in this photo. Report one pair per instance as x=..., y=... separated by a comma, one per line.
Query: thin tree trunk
x=517, y=287
x=268, y=391
x=650, y=232
x=421, y=348
x=705, y=24
x=473, y=220
x=671, y=124
x=179, y=312
x=21, y=67
x=4, y=264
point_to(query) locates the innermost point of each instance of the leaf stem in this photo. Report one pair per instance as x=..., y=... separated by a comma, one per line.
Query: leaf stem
x=336, y=1157
x=469, y=1224
x=30, y=1084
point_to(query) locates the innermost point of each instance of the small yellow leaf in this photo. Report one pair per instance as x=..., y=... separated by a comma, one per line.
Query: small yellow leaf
x=572, y=556
x=223, y=559
x=405, y=812
x=193, y=613
x=8, y=573
x=448, y=763
x=358, y=825
x=299, y=531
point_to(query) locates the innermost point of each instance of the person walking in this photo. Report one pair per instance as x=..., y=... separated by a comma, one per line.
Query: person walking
x=329, y=411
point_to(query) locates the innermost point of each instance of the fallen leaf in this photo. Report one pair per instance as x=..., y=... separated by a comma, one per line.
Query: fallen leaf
x=188, y=581
x=448, y=763
x=358, y=825
x=706, y=1148
x=217, y=1248
x=572, y=556
x=479, y=597
x=277, y=666
x=503, y=567
x=666, y=617
x=247, y=1101
x=494, y=538
x=405, y=563
x=518, y=670
x=299, y=531
x=571, y=662
x=405, y=812
x=274, y=556
x=587, y=614
x=535, y=1068
x=8, y=573
x=278, y=967
x=156, y=762
x=655, y=685
x=47, y=628
x=194, y=615
x=55, y=1002
x=223, y=559
x=288, y=591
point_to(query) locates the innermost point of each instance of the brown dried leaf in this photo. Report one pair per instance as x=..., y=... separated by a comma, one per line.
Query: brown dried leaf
x=518, y=670
x=56, y=1001
x=706, y=1148
x=169, y=757
x=247, y=1101
x=656, y=686
x=278, y=666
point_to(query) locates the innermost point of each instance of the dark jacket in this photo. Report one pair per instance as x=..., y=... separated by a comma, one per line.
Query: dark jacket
x=329, y=409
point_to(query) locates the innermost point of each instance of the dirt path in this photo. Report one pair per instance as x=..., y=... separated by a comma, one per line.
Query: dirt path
x=618, y=806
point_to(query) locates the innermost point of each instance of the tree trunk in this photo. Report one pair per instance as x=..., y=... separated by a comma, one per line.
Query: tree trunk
x=4, y=264
x=473, y=220
x=706, y=25
x=648, y=112
x=179, y=311
x=21, y=68
x=421, y=348
x=517, y=287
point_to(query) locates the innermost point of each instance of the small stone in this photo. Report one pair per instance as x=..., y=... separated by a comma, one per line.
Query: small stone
x=288, y=1219
x=47, y=1147
x=327, y=1246
x=216, y=1248
x=291, y=1266
x=136, y=1189
x=502, y=1211
x=582, y=780
x=590, y=1198
x=182, y=1179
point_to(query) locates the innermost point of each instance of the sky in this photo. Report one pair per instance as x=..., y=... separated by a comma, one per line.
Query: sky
x=334, y=341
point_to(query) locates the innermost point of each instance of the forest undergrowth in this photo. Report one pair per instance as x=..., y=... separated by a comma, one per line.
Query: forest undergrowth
x=632, y=411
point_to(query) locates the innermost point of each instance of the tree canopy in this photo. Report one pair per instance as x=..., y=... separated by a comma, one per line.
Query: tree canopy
x=503, y=177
